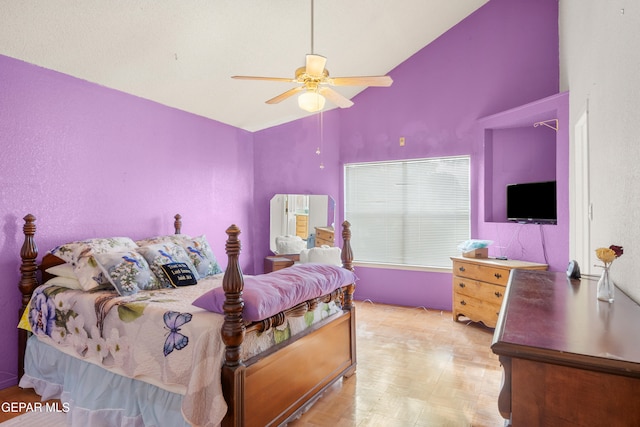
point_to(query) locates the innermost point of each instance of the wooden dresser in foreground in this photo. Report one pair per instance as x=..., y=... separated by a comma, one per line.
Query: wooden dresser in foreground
x=479, y=285
x=568, y=358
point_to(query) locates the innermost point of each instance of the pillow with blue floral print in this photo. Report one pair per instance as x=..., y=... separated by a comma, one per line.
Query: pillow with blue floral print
x=160, y=254
x=201, y=256
x=128, y=272
x=167, y=238
x=197, y=248
x=81, y=255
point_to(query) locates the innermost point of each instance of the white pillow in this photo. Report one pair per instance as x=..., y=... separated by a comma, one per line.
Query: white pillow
x=65, y=282
x=81, y=255
x=290, y=244
x=62, y=270
x=322, y=255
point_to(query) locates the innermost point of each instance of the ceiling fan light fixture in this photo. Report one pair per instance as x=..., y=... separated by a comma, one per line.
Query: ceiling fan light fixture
x=314, y=81
x=311, y=101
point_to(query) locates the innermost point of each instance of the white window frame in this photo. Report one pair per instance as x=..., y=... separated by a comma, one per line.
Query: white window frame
x=414, y=241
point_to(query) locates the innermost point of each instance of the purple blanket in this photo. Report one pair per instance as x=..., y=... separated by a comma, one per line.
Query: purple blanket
x=269, y=294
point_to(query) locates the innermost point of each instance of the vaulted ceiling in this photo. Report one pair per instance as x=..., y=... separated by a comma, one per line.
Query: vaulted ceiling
x=183, y=53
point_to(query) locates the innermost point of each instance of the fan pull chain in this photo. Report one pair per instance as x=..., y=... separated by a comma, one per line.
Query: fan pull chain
x=320, y=149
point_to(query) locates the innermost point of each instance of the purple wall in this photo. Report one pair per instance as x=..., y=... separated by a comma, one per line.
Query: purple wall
x=286, y=162
x=503, y=55
x=93, y=162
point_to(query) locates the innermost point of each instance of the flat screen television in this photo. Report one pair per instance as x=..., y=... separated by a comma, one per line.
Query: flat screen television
x=532, y=202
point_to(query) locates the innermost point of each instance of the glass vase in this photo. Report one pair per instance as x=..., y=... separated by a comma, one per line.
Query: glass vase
x=605, y=286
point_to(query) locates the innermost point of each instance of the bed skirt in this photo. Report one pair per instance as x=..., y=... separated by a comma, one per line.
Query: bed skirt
x=56, y=375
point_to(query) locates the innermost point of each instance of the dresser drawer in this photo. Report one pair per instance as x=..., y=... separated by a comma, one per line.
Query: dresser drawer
x=484, y=291
x=476, y=309
x=324, y=236
x=485, y=273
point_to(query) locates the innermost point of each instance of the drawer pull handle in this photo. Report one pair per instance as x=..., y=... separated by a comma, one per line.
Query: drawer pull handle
x=498, y=294
x=461, y=268
x=462, y=285
x=498, y=275
x=463, y=302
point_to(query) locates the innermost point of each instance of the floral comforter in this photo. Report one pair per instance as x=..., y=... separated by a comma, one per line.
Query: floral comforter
x=155, y=336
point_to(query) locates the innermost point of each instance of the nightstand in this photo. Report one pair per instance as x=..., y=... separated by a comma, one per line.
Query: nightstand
x=275, y=263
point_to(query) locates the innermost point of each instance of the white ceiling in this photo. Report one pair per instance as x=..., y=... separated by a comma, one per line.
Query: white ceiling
x=182, y=53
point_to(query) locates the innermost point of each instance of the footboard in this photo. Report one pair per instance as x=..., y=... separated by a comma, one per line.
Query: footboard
x=276, y=386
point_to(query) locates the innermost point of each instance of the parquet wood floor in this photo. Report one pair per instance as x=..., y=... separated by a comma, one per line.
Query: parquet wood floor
x=416, y=367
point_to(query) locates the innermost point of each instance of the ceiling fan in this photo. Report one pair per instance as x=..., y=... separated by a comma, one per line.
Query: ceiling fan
x=315, y=81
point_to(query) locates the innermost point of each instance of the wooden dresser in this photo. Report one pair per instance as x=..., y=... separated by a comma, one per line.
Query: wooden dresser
x=325, y=236
x=568, y=358
x=479, y=286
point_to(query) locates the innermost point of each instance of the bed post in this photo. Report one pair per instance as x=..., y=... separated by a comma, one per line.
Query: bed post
x=177, y=224
x=347, y=253
x=28, y=280
x=233, y=330
x=347, y=262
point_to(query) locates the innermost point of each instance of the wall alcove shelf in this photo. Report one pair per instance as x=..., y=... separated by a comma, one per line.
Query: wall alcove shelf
x=516, y=150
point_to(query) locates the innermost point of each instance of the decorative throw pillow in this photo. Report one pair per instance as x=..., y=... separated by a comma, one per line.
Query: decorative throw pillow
x=81, y=255
x=168, y=238
x=65, y=282
x=62, y=270
x=197, y=248
x=179, y=274
x=265, y=295
x=164, y=253
x=201, y=256
x=128, y=271
x=321, y=255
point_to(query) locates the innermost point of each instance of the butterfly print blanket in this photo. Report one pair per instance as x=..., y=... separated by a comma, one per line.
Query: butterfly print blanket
x=155, y=336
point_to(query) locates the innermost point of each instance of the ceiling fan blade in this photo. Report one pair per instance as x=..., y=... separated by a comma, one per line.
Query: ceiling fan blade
x=335, y=97
x=360, y=81
x=285, y=95
x=315, y=64
x=273, y=79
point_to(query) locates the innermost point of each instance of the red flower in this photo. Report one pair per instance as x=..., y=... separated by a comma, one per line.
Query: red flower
x=617, y=249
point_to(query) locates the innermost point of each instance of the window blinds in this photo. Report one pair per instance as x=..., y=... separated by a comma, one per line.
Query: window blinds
x=412, y=212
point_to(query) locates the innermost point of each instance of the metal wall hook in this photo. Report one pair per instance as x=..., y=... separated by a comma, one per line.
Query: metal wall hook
x=548, y=124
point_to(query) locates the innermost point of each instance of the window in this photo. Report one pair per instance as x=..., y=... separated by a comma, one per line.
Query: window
x=411, y=212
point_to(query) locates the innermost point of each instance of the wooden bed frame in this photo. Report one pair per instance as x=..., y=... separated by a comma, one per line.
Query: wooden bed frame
x=255, y=390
